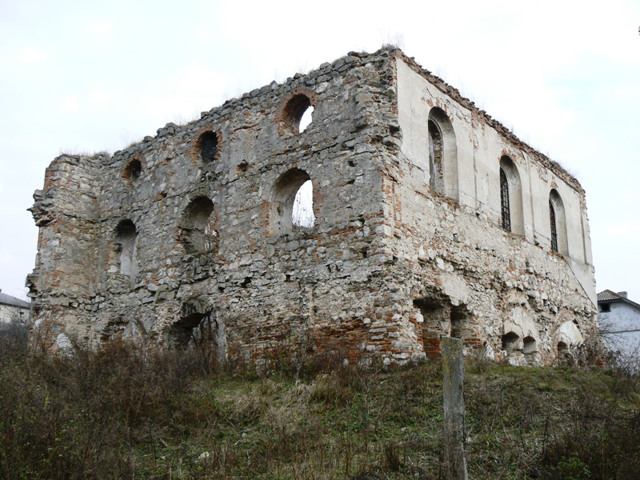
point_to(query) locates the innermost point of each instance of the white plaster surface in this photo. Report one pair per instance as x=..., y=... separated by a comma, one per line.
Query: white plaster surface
x=620, y=329
x=479, y=150
x=8, y=313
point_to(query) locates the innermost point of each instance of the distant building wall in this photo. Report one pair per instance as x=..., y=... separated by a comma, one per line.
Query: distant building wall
x=12, y=309
x=620, y=328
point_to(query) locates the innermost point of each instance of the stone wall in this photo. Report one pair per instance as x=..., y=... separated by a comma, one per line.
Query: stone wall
x=187, y=237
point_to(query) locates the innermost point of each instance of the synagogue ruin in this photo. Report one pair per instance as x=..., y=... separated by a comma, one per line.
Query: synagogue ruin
x=425, y=218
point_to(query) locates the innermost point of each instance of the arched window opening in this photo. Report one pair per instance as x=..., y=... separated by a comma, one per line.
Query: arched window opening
x=510, y=342
x=207, y=146
x=302, y=214
x=553, y=227
x=557, y=224
x=186, y=330
x=132, y=171
x=511, y=211
x=563, y=348
x=436, y=179
x=293, y=202
x=443, y=161
x=126, y=249
x=197, y=231
x=298, y=112
x=306, y=119
x=504, y=201
x=196, y=326
x=529, y=345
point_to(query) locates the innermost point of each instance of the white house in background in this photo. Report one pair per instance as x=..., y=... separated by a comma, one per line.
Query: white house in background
x=12, y=307
x=619, y=320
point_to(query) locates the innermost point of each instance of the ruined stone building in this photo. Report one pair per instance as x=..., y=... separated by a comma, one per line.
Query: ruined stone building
x=429, y=219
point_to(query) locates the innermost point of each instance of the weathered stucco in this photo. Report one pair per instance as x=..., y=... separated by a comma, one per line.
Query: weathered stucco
x=187, y=236
x=13, y=309
x=9, y=313
x=619, y=322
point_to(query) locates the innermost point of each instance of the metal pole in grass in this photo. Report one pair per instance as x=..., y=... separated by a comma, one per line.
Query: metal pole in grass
x=453, y=390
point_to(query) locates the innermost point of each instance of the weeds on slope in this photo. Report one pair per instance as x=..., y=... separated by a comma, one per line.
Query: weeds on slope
x=123, y=412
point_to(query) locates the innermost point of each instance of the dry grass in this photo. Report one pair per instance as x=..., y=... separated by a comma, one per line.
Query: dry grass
x=123, y=413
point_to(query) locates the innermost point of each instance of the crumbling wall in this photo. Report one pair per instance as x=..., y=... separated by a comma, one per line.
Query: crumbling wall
x=262, y=284
x=511, y=294
x=187, y=238
x=66, y=212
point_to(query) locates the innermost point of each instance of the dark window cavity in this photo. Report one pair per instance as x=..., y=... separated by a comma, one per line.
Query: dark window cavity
x=557, y=224
x=132, y=171
x=553, y=226
x=510, y=342
x=504, y=201
x=208, y=146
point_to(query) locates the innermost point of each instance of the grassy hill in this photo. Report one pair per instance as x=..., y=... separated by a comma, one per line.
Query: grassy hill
x=123, y=413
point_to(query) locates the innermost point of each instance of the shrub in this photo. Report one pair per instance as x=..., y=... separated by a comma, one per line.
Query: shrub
x=125, y=412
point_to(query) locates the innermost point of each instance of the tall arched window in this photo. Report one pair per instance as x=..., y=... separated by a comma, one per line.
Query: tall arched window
x=504, y=202
x=302, y=211
x=443, y=161
x=436, y=179
x=511, y=212
x=557, y=224
x=293, y=201
x=126, y=246
x=196, y=229
x=553, y=227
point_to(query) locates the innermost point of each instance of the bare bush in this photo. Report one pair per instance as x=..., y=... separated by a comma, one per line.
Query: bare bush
x=126, y=412
x=13, y=336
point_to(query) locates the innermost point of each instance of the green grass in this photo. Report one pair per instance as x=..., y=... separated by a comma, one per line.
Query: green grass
x=120, y=413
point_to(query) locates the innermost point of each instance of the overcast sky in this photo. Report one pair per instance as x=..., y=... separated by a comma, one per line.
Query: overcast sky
x=83, y=77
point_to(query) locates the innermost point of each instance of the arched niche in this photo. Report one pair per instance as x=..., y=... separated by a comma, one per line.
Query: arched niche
x=511, y=211
x=443, y=154
x=557, y=224
x=125, y=250
x=197, y=230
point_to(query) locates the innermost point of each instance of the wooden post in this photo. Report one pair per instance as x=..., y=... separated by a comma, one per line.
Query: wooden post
x=453, y=389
